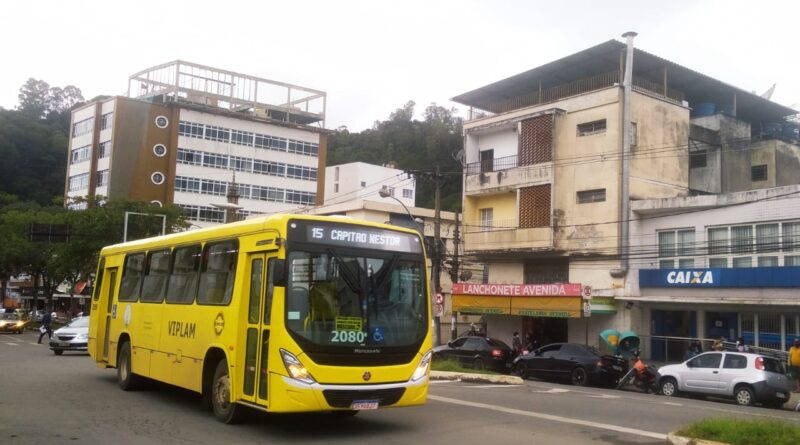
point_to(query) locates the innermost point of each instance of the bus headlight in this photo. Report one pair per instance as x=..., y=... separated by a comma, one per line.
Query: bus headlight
x=296, y=369
x=422, y=368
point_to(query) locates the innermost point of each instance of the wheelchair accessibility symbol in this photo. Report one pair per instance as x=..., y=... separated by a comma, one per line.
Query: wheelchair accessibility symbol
x=377, y=335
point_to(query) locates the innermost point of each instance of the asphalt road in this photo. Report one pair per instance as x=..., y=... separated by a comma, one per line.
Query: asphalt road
x=45, y=399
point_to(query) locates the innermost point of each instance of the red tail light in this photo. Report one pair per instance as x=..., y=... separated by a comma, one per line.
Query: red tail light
x=497, y=352
x=760, y=363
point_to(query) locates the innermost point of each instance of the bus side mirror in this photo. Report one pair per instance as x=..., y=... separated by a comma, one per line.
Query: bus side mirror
x=279, y=272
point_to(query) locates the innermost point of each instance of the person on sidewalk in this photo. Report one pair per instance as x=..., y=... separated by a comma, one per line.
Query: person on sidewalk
x=794, y=363
x=516, y=344
x=45, y=328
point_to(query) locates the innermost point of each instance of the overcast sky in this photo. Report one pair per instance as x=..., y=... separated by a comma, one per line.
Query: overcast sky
x=371, y=57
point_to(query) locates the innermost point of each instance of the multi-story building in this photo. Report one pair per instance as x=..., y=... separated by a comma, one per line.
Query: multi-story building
x=359, y=180
x=185, y=130
x=549, y=176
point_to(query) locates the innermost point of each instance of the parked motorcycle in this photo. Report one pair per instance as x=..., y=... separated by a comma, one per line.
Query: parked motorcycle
x=641, y=375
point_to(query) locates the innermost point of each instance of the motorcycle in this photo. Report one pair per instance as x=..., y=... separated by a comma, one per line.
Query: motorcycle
x=641, y=375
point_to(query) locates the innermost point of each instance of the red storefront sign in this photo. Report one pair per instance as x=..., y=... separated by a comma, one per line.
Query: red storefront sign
x=519, y=290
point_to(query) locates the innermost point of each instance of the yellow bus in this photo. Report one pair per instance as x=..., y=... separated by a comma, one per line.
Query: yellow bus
x=285, y=313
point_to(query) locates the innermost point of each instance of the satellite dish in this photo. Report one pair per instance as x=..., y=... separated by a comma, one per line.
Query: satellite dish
x=460, y=156
x=768, y=94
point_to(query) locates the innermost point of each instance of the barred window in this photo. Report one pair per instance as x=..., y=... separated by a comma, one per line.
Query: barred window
x=408, y=193
x=80, y=154
x=83, y=127
x=102, y=178
x=589, y=196
x=191, y=129
x=104, y=150
x=106, y=120
x=78, y=182
x=590, y=128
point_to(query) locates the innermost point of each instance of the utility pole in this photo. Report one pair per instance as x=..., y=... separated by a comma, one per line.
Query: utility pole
x=454, y=276
x=437, y=257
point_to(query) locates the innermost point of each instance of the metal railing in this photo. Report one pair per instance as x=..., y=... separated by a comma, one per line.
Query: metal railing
x=490, y=226
x=676, y=348
x=581, y=86
x=491, y=165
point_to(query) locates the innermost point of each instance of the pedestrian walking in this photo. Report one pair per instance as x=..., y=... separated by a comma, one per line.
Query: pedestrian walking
x=45, y=327
x=741, y=346
x=794, y=363
x=516, y=343
x=695, y=348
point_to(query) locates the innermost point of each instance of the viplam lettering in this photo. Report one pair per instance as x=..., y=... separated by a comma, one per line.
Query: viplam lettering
x=181, y=329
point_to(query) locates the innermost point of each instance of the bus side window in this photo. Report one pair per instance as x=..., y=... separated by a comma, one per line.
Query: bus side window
x=132, y=277
x=218, y=271
x=155, y=276
x=182, y=284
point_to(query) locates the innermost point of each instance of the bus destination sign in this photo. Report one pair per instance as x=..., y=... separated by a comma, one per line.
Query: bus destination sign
x=351, y=235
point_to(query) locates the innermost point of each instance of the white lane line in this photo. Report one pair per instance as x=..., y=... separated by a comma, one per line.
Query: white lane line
x=12, y=344
x=552, y=391
x=673, y=404
x=519, y=412
x=441, y=382
x=605, y=396
x=488, y=386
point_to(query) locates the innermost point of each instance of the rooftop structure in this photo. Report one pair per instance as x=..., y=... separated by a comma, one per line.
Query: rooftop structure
x=181, y=81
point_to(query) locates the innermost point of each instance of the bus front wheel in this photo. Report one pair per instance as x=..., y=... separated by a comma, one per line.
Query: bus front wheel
x=224, y=409
x=126, y=379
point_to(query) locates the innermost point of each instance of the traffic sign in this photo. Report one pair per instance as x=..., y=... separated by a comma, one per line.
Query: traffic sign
x=586, y=292
x=439, y=298
x=438, y=310
x=587, y=308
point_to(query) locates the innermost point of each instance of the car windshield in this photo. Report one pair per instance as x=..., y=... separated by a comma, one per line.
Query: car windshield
x=350, y=300
x=80, y=322
x=13, y=317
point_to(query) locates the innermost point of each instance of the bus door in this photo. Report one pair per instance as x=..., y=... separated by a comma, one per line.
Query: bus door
x=104, y=313
x=259, y=294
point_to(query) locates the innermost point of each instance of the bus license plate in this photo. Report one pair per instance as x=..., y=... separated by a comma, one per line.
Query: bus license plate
x=364, y=404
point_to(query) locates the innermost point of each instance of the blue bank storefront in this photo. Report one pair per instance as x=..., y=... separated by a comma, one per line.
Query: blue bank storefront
x=760, y=304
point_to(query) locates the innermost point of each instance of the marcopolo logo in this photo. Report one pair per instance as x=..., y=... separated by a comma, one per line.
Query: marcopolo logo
x=690, y=277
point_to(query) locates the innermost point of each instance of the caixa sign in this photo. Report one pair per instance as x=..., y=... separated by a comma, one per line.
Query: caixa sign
x=690, y=277
x=737, y=277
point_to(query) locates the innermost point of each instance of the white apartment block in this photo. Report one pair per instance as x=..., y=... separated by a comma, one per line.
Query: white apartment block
x=187, y=132
x=359, y=180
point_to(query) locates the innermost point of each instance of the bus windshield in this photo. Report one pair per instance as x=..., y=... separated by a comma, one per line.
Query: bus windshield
x=347, y=301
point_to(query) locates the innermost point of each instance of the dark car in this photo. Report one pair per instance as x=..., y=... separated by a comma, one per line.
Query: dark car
x=477, y=352
x=578, y=363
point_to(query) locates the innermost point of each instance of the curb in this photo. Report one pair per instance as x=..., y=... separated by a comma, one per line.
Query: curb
x=477, y=378
x=674, y=439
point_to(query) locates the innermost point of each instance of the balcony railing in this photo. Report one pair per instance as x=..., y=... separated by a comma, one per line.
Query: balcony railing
x=491, y=165
x=581, y=86
x=489, y=226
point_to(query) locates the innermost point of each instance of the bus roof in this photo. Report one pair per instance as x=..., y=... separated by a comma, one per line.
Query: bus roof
x=238, y=228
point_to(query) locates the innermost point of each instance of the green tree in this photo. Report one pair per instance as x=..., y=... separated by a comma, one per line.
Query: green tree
x=409, y=144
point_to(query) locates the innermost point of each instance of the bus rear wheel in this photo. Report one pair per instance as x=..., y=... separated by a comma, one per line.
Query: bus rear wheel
x=126, y=379
x=224, y=410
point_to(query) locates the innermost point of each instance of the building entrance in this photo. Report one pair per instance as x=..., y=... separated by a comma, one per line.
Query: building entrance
x=544, y=330
x=667, y=324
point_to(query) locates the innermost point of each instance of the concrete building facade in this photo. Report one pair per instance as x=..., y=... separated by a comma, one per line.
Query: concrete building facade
x=187, y=132
x=360, y=180
x=545, y=170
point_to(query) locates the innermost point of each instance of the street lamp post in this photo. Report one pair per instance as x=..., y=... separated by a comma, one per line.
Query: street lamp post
x=435, y=260
x=229, y=208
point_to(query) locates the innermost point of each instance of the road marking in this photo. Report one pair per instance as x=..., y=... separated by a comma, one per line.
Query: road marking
x=519, y=412
x=441, y=382
x=488, y=386
x=12, y=344
x=673, y=404
x=553, y=391
x=605, y=396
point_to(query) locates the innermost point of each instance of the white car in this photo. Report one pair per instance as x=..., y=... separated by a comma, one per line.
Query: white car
x=747, y=378
x=72, y=337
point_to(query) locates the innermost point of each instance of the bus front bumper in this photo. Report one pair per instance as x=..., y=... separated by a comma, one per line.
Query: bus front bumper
x=290, y=395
